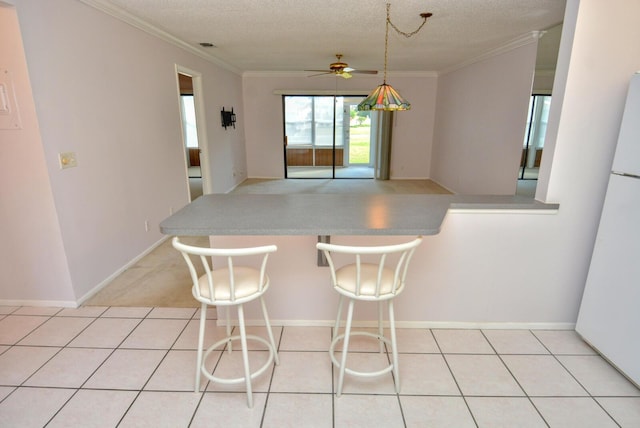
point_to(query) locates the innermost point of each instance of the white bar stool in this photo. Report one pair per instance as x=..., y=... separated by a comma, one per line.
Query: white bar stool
x=372, y=277
x=229, y=284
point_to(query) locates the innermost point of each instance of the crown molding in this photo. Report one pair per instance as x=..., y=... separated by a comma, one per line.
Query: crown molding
x=307, y=73
x=140, y=24
x=518, y=42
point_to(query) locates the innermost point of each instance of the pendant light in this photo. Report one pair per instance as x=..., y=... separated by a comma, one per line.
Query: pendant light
x=384, y=97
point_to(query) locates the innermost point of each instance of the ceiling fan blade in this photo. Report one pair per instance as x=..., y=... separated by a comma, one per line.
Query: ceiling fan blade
x=364, y=71
x=320, y=74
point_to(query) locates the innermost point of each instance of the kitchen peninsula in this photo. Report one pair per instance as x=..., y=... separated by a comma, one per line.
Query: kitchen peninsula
x=300, y=292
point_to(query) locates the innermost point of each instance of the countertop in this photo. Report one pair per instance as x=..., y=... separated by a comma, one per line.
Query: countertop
x=331, y=214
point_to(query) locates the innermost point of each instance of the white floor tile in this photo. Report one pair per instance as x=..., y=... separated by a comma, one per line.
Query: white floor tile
x=137, y=366
x=69, y=368
x=598, y=377
x=563, y=342
x=225, y=410
x=188, y=338
x=515, y=342
x=365, y=362
x=90, y=408
x=161, y=409
x=37, y=310
x=368, y=411
x=20, y=362
x=126, y=312
x=299, y=410
x=305, y=339
x=126, y=369
x=505, y=412
x=176, y=372
x=178, y=313
x=543, y=375
x=482, y=375
x=625, y=410
x=14, y=328
x=231, y=366
x=305, y=372
x=5, y=390
x=436, y=412
x=32, y=407
x=416, y=340
x=105, y=333
x=83, y=311
x=425, y=374
x=155, y=334
x=5, y=310
x=462, y=342
x=57, y=331
x=566, y=412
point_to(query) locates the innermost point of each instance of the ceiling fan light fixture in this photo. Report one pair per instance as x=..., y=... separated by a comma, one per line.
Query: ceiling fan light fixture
x=384, y=97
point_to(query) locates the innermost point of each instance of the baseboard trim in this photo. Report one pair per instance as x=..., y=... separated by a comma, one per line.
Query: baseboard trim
x=117, y=273
x=40, y=303
x=417, y=324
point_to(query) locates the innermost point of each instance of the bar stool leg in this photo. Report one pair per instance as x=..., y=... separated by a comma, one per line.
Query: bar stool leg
x=203, y=319
x=380, y=329
x=228, y=328
x=337, y=325
x=345, y=347
x=245, y=356
x=269, y=332
x=394, y=347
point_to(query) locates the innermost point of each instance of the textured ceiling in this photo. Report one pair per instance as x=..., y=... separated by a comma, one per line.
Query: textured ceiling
x=297, y=35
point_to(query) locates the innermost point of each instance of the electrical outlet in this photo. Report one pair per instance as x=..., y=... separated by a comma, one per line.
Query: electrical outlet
x=67, y=160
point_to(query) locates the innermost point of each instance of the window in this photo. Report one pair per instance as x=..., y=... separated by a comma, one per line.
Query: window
x=189, y=118
x=309, y=121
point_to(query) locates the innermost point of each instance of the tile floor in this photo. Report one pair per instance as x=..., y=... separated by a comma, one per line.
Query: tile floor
x=134, y=366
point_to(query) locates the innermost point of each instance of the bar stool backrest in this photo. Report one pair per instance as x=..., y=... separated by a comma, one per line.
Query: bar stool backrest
x=377, y=275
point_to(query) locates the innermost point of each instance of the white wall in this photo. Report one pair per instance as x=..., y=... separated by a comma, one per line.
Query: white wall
x=32, y=257
x=412, y=134
x=108, y=92
x=480, y=122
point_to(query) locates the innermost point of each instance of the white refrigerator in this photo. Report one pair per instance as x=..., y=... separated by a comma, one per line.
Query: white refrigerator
x=609, y=317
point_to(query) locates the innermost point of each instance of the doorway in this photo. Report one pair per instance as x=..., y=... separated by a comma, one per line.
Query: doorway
x=193, y=132
x=325, y=137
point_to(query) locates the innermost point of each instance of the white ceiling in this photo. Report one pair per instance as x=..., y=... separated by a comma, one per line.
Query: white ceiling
x=297, y=35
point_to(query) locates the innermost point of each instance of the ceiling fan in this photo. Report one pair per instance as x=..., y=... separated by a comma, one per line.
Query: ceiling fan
x=342, y=69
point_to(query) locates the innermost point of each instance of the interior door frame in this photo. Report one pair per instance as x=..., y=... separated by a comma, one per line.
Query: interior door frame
x=201, y=128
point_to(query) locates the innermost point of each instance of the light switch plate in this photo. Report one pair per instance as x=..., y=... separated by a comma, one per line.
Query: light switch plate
x=67, y=160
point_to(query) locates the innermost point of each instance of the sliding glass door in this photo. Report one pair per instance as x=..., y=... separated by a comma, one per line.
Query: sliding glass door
x=534, y=137
x=318, y=132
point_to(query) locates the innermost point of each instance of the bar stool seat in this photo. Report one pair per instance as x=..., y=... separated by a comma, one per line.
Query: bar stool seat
x=380, y=279
x=230, y=285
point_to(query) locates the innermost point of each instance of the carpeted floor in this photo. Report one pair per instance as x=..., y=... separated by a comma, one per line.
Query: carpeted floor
x=160, y=279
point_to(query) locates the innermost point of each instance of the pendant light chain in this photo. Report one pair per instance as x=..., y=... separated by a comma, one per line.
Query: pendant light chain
x=424, y=17
x=384, y=97
x=386, y=43
x=413, y=33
